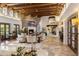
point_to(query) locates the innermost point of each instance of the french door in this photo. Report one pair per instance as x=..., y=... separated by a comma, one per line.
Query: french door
x=16, y=29
x=4, y=31
x=73, y=36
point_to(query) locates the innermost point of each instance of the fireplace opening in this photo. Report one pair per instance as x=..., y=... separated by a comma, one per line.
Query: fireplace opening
x=31, y=31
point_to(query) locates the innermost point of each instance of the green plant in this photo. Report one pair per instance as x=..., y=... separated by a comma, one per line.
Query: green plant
x=24, y=30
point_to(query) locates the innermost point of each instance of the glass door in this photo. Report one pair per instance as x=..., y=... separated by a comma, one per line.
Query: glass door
x=4, y=31
x=73, y=36
x=7, y=30
x=16, y=29
x=69, y=32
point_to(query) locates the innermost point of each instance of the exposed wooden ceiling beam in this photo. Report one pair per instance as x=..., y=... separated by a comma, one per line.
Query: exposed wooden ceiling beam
x=48, y=14
x=41, y=8
x=3, y=5
x=38, y=10
x=37, y=6
x=31, y=4
x=42, y=13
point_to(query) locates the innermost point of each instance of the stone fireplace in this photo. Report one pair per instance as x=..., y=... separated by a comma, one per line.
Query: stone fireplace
x=31, y=30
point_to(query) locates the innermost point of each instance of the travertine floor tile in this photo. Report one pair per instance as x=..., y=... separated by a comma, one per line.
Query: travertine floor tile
x=50, y=46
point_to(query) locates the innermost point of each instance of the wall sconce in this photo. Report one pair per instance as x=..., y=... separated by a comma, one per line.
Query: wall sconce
x=75, y=21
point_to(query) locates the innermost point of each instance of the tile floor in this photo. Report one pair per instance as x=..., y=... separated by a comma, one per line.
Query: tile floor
x=49, y=47
x=56, y=48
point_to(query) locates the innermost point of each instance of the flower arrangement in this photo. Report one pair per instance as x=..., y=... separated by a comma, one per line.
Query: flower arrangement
x=22, y=52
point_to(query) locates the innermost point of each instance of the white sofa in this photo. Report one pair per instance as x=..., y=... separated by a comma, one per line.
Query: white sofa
x=22, y=38
x=31, y=38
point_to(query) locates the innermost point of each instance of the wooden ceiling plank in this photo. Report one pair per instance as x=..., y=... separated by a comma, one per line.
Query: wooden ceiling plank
x=37, y=6
x=38, y=9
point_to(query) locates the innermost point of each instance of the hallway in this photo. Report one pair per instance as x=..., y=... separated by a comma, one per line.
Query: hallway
x=56, y=48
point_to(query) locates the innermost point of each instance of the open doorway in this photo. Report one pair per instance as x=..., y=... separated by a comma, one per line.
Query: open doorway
x=61, y=34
